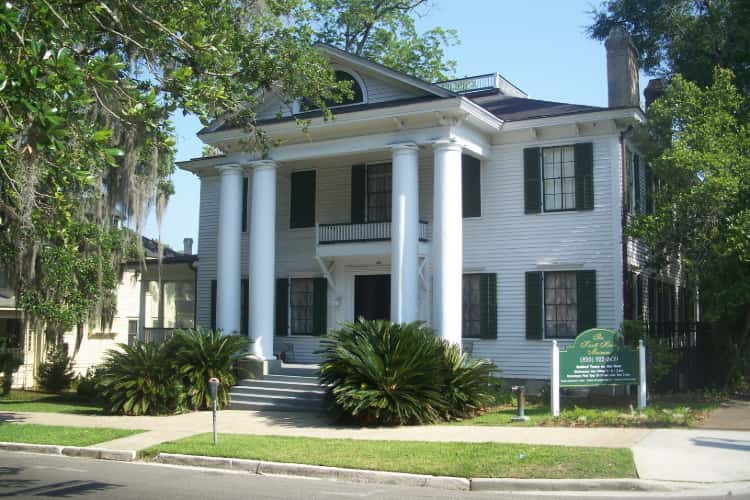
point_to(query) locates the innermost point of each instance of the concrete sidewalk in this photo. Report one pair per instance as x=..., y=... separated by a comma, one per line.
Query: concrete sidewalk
x=686, y=455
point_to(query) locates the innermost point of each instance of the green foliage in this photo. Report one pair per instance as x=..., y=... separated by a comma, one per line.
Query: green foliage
x=697, y=141
x=56, y=373
x=86, y=94
x=140, y=380
x=683, y=36
x=87, y=385
x=660, y=358
x=10, y=361
x=378, y=372
x=198, y=355
x=384, y=32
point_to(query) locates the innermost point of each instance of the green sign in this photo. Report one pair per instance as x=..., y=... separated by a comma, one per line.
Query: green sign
x=598, y=357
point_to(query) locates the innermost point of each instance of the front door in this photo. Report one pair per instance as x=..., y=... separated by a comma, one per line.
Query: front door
x=372, y=296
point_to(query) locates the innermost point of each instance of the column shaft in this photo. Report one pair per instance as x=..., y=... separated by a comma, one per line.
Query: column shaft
x=262, y=258
x=405, y=234
x=447, y=245
x=228, y=254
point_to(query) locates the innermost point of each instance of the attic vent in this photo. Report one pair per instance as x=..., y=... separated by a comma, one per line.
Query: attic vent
x=481, y=83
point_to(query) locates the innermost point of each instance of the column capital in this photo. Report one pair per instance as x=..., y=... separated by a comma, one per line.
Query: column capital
x=229, y=168
x=262, y=165
x=404, y=147
x=446, y=145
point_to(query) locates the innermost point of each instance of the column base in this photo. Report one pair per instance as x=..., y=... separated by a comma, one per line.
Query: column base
x=258, y=368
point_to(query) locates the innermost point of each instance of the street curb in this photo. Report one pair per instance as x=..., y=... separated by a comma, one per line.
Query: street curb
x=71, y=451
x=317, y=471
x=502, y=484
x=406, y=479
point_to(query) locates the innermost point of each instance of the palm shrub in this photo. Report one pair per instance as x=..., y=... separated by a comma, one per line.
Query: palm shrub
x=471, y=385
x=201, y=354
x=56, y=373
x=139, y=380
x=378, y=372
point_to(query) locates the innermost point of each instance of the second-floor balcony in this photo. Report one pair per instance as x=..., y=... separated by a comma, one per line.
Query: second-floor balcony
x=361, y=238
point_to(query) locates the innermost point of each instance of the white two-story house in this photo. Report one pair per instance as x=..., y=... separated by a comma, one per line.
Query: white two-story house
x=494, y=217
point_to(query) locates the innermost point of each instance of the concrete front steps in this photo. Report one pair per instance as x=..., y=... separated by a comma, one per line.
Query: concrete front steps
x=289, y=388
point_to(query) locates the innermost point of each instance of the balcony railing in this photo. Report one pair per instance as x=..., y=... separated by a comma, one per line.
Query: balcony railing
x=362, y=232
x=472, y=83
x=157, y=335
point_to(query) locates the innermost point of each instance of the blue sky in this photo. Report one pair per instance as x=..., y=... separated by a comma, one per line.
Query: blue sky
x=539, y=45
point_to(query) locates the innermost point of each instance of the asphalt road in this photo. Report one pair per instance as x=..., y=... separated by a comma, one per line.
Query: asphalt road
x=39, y=476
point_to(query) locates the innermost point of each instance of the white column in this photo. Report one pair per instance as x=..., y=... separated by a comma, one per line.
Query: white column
x=228, y=255
x=405, y=234
x=262, y=257
x=447, y=242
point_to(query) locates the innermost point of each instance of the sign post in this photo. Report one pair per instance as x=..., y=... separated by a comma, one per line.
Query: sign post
x=642, y=395
x=213, y=383
x=555, y=386
x=597, y=357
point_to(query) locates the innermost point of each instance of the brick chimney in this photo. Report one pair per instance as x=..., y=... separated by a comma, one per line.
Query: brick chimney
x=187, y=244
x=654, y=90
x=622, y=69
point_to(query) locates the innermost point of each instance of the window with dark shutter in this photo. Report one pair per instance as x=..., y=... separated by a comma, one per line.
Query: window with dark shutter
x=320, y=306
x=471, y=186
x=358, y=199
x=479, y=306
x=302, y=199
x=281, y=322
x=636, y=183
x=560, y=305
x=244, y=305
x=586, y=298
x=532, y=181
x=534, y=328
x=584, y=170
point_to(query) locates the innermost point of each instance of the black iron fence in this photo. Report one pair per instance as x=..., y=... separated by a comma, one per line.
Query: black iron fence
x=690, y=344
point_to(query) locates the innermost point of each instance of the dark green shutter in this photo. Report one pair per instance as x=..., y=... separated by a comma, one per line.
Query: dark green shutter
x=320, y=306
x=244, y=203
x=534, y=326
x=586, y=299
x=302, y=204
x=637, y=183
x=639, y=291
x=282, y=307
x=471, y=186
x=626, y=180
x=628, y=305
x=244, y=305
x=652, y=301
x=649, y=190
x=213, y=304
x=358, y=193
x=584, y=159
x=488, y=306
x=532, y=180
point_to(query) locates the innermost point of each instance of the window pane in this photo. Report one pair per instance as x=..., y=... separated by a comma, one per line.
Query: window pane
x=471, y=305
x=301, y=306
x=379, y=193
x=560, y=305
x=559, y=178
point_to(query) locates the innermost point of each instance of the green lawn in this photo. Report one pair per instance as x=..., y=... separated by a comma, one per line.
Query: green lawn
x=47, y=403
x=445, y=459
x=673, y=411
x=64, y=436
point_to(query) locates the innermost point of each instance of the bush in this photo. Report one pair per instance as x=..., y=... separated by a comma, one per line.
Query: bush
x=660, y=358
x=199, y=355
x=9, y=363
x=378, y=372
x=56, y=373
x=140, y=380
x=87, y=386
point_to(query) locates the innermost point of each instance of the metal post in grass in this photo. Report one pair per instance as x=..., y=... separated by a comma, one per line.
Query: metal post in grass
x=521, y=398
x=213, y=383
x=555, y=380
